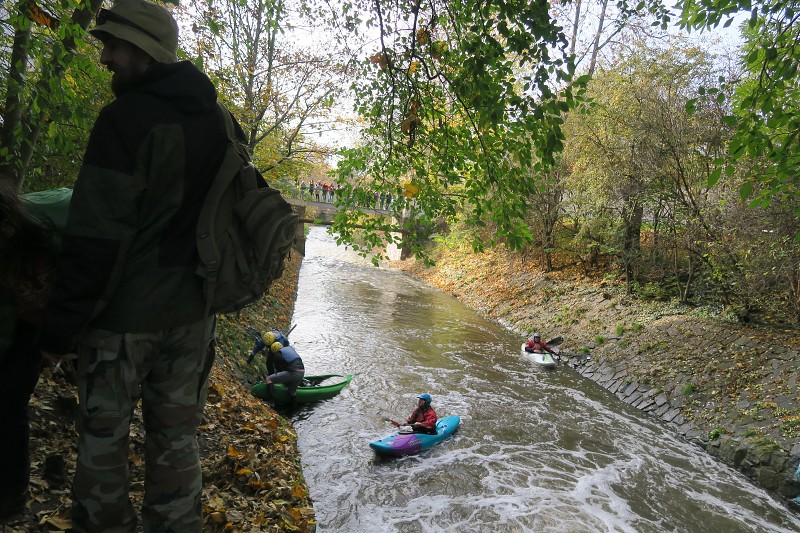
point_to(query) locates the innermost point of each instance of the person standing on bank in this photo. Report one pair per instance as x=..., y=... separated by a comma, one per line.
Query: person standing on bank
x=128, y=303
x=29, y=227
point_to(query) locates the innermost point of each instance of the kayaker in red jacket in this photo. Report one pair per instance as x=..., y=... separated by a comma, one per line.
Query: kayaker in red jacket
x=537, y=345
x=423, y=419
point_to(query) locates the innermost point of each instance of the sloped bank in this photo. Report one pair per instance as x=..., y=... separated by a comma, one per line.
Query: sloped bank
x=730, y=389
x=252, y=473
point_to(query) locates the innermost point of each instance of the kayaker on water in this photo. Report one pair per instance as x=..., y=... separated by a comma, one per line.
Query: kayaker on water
x=285, y=366
x=423, y=419
x=537, y=345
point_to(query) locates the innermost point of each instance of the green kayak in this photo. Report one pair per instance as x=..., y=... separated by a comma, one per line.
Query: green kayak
x=312, y=389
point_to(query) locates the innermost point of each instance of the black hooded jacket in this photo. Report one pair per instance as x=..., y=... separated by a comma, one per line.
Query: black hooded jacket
x=129, y=256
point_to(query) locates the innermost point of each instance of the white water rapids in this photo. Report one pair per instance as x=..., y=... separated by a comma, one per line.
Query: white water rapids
x=538, y=450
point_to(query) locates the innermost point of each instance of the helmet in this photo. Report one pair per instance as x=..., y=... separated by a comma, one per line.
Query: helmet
x=269, y=338
x=275, y=346
x=425, y=396
x=537, y=336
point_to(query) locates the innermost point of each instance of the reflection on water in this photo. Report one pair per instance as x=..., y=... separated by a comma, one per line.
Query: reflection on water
x=537, y=450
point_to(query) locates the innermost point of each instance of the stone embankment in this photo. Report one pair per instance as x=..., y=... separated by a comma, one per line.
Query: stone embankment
x=728, y=388
x=740, y=424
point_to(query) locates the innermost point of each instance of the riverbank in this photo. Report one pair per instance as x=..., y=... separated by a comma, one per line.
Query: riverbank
x=252, y=476
x=729, y=388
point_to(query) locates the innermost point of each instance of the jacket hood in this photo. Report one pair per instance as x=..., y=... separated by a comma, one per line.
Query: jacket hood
x=182, y=85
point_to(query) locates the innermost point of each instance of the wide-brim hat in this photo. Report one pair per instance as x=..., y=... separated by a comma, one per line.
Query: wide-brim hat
x=144, y=24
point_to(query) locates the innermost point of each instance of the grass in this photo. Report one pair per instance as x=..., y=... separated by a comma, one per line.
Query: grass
x=715, y=433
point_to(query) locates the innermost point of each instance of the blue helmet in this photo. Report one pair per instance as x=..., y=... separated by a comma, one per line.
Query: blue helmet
x=425, y=396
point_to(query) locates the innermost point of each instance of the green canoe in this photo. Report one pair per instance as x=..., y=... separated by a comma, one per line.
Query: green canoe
x=313, y=388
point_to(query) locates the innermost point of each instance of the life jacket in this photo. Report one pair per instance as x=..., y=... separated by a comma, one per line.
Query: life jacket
x=289, y=354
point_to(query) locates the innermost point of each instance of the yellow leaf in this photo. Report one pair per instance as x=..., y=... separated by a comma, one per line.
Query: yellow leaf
x=244, y=471
x=233, y=453
x=410, y=190
x=41, y=17
x=413, y=67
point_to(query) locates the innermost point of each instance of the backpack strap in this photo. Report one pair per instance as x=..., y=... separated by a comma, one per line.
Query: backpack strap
x=206, y=241
x=227, y=121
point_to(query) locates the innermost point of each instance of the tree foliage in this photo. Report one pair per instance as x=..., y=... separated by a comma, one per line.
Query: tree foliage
x=766, y=108
x=49, y=92
x=461, y=100
x=281, y=93
x=636, y=147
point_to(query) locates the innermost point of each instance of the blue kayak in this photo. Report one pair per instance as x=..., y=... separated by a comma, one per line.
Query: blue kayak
x=400, y=444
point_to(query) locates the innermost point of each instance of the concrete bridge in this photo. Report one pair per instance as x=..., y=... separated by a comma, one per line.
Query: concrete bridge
x=322, y=213
x=326, y=211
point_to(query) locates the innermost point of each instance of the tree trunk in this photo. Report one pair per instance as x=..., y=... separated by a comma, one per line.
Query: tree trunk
x=575, y=27
x=631, y=243
x=596, y=45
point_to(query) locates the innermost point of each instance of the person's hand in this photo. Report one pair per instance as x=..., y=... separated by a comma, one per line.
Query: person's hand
x=394, y=423
x=268, y=381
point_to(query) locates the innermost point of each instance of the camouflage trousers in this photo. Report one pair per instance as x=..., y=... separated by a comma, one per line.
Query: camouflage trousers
x=167, y=370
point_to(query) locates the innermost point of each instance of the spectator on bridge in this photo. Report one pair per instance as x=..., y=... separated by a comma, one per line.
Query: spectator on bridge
x=317, y=188
x=331, y=192
x=325, y=191
x=310, y=189
x=382, y=200
x=388, y=199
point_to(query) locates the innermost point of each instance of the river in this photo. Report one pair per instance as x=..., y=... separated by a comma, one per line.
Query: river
x=537, y=450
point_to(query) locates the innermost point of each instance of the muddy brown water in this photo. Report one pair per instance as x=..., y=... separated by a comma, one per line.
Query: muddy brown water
x=538, y=450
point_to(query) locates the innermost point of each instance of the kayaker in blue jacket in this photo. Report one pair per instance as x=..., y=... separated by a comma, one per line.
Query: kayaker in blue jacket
x=285, y=366
x=275, y=336
x=264, y=342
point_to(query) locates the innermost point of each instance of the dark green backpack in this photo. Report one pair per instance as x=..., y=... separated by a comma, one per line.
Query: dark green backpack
x=245, y=231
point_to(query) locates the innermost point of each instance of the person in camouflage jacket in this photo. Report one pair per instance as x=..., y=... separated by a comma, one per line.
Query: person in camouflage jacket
x=128, y=303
